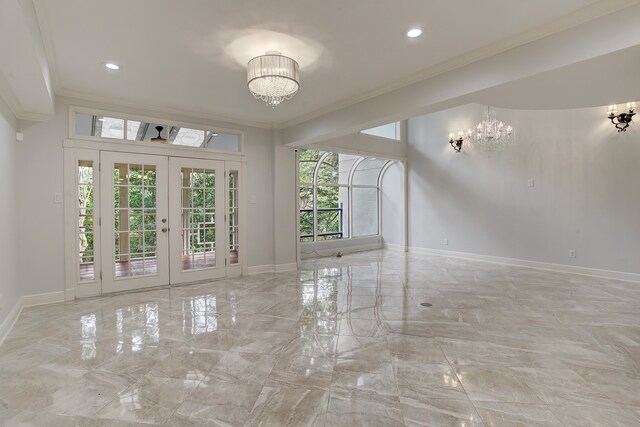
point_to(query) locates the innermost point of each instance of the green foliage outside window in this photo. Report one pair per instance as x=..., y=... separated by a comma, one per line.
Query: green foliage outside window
x=329, y=221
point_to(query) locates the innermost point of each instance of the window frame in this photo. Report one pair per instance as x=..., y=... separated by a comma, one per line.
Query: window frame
x=349, y=186
x=73, y=110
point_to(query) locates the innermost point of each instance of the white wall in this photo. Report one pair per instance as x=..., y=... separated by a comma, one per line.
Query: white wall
x=585, y=194
x=40, y=158
x=392, y=204
x=9, y=286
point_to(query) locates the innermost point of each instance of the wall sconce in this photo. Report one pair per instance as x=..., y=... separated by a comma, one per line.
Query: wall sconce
x=621, y=121
x=457, y=143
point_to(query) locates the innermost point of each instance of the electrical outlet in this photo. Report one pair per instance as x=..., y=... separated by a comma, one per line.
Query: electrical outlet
x=446, y=242
x=530, y=183
x=572, y=253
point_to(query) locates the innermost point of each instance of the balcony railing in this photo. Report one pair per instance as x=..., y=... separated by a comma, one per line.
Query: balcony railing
x=326, y=221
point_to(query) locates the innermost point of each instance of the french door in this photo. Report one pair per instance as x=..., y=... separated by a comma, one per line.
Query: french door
x=162, y=220
x=196, y=219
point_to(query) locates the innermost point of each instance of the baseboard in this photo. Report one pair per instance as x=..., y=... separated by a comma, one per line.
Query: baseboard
x=10, y=320
x=41, y=299
x=394, y=247
x=345, y=250
x=23, y=302
x=259, y=269
x=562, y=268
x=279, y=268
x=271, y=268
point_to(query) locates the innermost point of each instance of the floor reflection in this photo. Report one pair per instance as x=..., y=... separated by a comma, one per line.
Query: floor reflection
x=341, y=341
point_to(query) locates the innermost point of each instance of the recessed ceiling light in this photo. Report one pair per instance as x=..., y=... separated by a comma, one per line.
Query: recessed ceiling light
x=414, y=32
x=112, y=66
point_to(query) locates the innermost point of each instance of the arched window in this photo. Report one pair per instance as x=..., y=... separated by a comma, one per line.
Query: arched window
x=339, y=195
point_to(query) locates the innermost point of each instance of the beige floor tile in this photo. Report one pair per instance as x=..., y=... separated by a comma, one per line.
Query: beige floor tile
x=595, y=416
x=150, y=400
x=242, y=368
x=362, y=409
x=495, y=384
x=498, y=414
x=289, y=407
x=439, y=412
x=339, y=342
x=220, y=403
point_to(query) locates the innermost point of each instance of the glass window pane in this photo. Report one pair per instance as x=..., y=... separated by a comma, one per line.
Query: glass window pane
x=306, y=213
x=389, y=131
x=367, y=171
x=134, y=219
x=222, y=141
x=308, y=159
x=109, y=127
x=365, y=211
x=188, y=137
x=198, y=218
x=234, y=236
x=85, y=220
x=328, y=170
x=134, y=129
x=346, y=163
x=330, y=208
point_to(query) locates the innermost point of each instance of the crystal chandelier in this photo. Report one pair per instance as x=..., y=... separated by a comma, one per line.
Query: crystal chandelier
x=491, y=134
x=273, y=78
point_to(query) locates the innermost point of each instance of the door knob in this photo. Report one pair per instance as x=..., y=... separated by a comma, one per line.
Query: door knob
x=165, y=229
x=164, y=220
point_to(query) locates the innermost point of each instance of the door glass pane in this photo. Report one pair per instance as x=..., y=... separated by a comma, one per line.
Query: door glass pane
x=135, y=219
x=234, y=219
x=85, y=220
x=198, y=218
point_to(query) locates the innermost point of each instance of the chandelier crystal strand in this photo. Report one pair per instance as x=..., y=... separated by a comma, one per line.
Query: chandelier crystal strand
x=491, y=134
x=273, y=78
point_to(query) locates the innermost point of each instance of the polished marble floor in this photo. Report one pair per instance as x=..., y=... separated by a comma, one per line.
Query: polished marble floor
x=340, y=342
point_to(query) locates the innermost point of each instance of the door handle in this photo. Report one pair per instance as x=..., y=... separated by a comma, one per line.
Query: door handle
x=164, y=220
x=165, y=229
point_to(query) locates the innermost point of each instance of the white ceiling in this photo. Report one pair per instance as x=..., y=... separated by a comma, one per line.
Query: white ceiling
x=191, y=55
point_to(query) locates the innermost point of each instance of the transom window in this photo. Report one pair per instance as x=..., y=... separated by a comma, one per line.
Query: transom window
x=114, y=126
x=339, y=195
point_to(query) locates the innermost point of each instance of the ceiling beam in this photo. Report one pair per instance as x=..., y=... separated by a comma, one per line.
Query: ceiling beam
x=25, y=80
x=607, y=34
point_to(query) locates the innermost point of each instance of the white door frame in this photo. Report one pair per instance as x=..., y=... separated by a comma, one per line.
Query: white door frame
x=79, y=149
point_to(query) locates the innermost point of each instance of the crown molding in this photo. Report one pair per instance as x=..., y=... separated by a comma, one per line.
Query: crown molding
x=581, y=16
x=14, y=105
x=34, y=117
x=158, y=109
